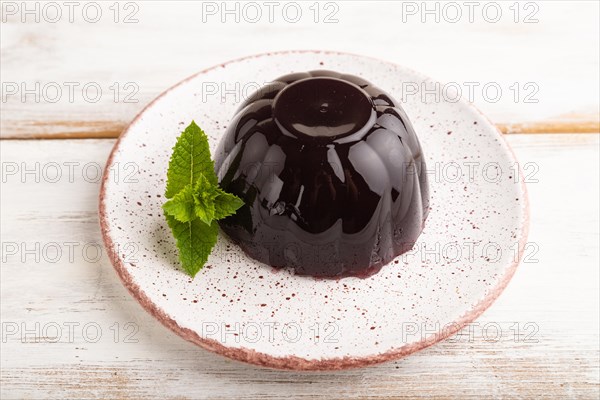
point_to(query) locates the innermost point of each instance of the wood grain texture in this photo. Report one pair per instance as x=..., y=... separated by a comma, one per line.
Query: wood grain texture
x=556, y=56
x=555, y=291
x=52, y=278
x=112, y=130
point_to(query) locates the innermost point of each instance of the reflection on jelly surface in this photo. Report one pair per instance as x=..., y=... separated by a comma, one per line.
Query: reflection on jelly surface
x=332, y=174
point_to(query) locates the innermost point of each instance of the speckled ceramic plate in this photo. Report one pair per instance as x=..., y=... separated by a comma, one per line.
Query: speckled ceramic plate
x=245, y=310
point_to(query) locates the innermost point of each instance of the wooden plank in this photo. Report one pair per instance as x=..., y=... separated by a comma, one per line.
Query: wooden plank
x=540, y=91
x=112, y=130
x=584, y=125
x=553, y=300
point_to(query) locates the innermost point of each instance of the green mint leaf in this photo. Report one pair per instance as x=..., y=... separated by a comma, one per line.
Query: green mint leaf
x=226, y=204
x=205, y=210
x=195, y=240
x=195, y=201
x=204, y=200
x=181, y=206
x=190, y=158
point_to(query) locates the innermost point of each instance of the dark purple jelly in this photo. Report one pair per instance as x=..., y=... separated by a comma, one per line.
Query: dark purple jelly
x=332, y=174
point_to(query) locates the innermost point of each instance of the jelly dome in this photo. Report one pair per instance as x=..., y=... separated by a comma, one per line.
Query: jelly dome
x=331, y=172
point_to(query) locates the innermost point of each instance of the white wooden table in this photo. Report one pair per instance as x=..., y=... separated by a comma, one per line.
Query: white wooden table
x=71, y=330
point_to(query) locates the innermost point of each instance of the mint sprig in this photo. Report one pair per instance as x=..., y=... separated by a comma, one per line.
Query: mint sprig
x=196, y=201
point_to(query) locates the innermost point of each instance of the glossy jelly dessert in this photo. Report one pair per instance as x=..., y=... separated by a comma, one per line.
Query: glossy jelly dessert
x=332, y=174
